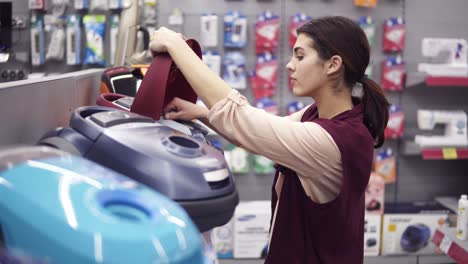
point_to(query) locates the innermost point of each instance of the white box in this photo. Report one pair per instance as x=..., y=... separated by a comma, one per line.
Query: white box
x=409, y=230
x=251, y=229
x=372, y=227
x=375, y=194
x=222, y=238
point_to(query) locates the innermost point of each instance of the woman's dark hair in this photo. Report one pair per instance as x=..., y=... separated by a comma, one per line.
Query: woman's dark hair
x=336, y=35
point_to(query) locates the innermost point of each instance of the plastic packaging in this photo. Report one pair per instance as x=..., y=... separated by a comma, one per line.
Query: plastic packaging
x=385, y=165
x=213, y=60
x=365, y=3
x=37, y=4
x=263, y=80
x=73, y=32
x=294, y=107
x=393, y=73
x=55, y=28
x=394, y=35
x=114, y=30
x=462, y=218
x=37, y=40
x=396, y=125
x=81, y=4
x=101, y=5
x=295, y=22
x=234, y=70
x=367, y=24
x=237, y=159
x=95, y=26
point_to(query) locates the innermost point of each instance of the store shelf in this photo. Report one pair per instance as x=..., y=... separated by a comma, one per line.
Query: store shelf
x=434, y=260
x=367, y=260
x=415, y=78
x=410, y=148
x=440, y=153
x=430, y=259
x=391, y=260
x=446, y=240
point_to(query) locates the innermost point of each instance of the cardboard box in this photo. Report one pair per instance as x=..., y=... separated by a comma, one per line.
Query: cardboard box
x=375, y=194
x=408, y=228
x=251, y=229
x=372, y=228
x=222, y=238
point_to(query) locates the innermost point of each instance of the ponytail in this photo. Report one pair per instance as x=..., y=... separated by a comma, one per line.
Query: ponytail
x=375, y=110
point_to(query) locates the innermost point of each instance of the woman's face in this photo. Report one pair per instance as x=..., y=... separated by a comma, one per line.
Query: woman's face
x=306, y=69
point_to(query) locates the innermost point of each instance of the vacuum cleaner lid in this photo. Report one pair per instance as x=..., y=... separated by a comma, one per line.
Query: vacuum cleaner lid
x=162, y=83
x=71, y=210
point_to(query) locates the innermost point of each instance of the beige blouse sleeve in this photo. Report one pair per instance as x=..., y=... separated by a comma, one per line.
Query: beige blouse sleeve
x=304, y=147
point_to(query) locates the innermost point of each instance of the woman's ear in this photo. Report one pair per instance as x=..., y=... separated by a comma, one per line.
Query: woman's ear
x=334, y=64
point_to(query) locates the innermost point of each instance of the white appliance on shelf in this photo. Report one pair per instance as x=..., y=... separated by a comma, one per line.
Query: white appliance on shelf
x=451, y=54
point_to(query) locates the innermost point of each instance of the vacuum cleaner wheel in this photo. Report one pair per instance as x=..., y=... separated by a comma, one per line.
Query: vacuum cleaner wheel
x=60, y=143
x=2, y=240
x=415, y=237
x=371, y=242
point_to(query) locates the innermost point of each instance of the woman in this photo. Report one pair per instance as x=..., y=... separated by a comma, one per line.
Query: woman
x=323, y=153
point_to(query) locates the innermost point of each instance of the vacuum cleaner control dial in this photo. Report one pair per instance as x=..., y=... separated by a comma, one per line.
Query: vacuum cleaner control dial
x=125, y=102
x=183, y=146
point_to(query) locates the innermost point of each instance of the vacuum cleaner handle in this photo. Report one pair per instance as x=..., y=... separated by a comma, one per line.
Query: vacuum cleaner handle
x=79, y=123
x=162, y=83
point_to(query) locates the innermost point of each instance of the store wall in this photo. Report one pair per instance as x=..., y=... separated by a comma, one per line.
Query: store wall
x=30, y=108
x=21, y=41
x=425, y=179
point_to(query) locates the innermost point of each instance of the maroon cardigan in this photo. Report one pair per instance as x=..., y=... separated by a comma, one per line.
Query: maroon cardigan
x=307, y=232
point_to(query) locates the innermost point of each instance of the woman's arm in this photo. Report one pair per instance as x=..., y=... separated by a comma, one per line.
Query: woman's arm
x=205, y=121
x=183, y=110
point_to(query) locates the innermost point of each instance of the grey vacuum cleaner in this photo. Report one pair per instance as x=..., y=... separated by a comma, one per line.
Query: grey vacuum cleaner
x=170, y=157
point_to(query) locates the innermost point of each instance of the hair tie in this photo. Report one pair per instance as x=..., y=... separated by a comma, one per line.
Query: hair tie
x=363, y=78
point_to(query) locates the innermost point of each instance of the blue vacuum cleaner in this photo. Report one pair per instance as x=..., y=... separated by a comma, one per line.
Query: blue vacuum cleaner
x=59, y=208
x=170, y=157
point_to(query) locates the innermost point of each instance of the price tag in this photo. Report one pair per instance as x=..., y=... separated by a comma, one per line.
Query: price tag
x=445, y=244
x=449, y=153
x=4, y=57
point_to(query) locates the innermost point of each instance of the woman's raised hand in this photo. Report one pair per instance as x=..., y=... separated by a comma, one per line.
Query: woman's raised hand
x=161, y=39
